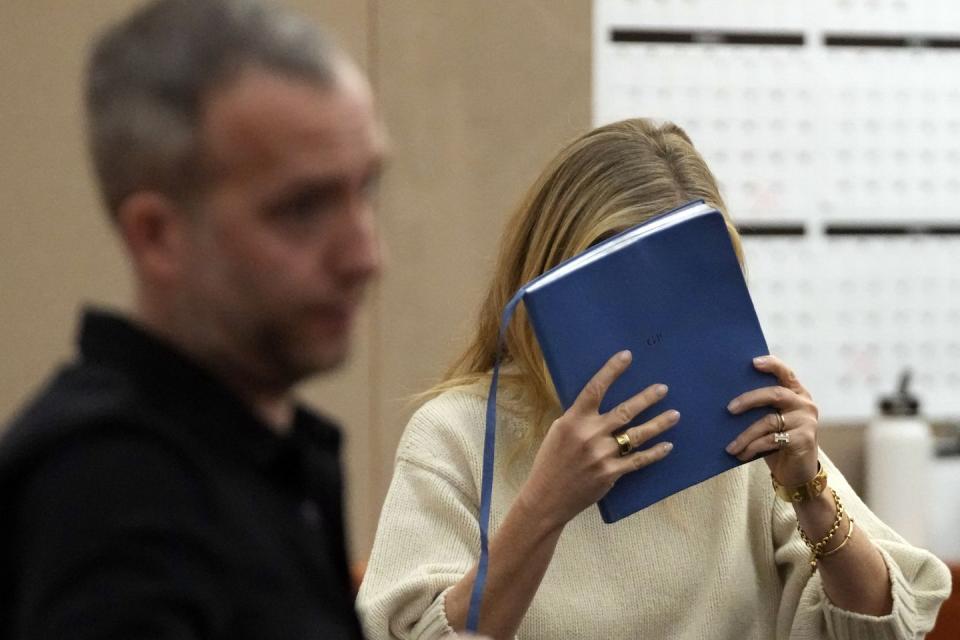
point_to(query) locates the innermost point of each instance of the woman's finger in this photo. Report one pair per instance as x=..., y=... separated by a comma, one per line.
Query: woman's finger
x=592, y=394
x=753, y=448
x=624, y=413
x=642, y=458
x=764, y=428
x=779, y=397
x=642, y=433
x=784, y=374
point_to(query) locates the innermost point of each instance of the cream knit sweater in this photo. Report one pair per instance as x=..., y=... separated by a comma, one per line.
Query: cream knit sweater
x=719, y=560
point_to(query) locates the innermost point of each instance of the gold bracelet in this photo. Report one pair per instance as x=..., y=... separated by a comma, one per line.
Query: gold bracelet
x=803, y=492
x=816, y=548
x=839, y=546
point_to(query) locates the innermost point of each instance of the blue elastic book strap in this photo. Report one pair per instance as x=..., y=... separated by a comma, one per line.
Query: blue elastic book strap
x=486, y=478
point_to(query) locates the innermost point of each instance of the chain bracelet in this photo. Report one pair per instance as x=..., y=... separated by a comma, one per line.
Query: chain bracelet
x=816, y=548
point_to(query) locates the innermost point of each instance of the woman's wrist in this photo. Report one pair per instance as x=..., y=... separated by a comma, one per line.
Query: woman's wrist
x=812, y=485
x=800, y=472
x=540, y=517
x=816, y=514
x=820, y=545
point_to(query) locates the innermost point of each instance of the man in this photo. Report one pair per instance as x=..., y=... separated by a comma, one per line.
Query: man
x=165, y=484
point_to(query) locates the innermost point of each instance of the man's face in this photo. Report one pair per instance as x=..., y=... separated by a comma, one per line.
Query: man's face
x=284, y=241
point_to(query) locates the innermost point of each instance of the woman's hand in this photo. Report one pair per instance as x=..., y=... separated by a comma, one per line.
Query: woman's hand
x=579, y=459
x=794, y=462
x=578, y=462
x=856, y=578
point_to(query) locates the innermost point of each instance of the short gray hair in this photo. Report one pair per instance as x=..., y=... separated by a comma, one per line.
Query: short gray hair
x=149, y=75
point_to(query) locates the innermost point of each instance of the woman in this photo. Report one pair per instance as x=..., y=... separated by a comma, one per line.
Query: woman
x=724, y=559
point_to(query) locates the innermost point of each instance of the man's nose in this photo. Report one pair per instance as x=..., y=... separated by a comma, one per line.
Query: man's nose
x=358, y=249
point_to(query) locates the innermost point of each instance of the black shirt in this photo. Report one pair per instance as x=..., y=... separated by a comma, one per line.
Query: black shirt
x=139, y=498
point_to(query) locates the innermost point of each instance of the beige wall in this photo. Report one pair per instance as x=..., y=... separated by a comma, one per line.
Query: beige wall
x=476, y=95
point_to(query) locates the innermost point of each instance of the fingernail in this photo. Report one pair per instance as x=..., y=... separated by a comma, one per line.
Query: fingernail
x=731, y=447
x=760, y=360
x=624, y=356
x=667, y=446
x=734, y=405
x=674, y=415
x=660, y=389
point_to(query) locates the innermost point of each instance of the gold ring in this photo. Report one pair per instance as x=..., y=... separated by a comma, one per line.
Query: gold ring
x=781, y=423
x=623, y=442
x=781, y=438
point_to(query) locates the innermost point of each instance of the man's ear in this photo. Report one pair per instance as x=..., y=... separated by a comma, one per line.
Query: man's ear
x=153, y=228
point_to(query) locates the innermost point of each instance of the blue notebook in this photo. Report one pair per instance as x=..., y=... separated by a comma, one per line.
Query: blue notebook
x=671, y=291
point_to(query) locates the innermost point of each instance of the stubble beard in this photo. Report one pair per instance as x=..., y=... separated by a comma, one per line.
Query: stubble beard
x=292, y=358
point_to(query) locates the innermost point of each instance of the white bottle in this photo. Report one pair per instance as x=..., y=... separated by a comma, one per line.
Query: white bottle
x=898, y=456
x=943, y=504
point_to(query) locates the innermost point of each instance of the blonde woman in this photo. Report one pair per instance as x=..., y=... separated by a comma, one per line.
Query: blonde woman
x=723, y=559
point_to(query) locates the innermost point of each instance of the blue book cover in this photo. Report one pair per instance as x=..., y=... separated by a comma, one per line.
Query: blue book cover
x=671, y=291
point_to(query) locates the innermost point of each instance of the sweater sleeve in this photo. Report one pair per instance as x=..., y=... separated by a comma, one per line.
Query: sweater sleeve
x=427, y=538
x=919, y=581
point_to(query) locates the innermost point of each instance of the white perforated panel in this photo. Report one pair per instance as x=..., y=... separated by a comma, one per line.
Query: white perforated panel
x=837, y=117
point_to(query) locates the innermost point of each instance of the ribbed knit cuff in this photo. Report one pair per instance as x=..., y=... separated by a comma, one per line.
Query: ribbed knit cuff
x=896, y=625
x=433, y=624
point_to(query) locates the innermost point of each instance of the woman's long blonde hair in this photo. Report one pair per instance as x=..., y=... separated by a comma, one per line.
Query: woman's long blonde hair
x=602, y=183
